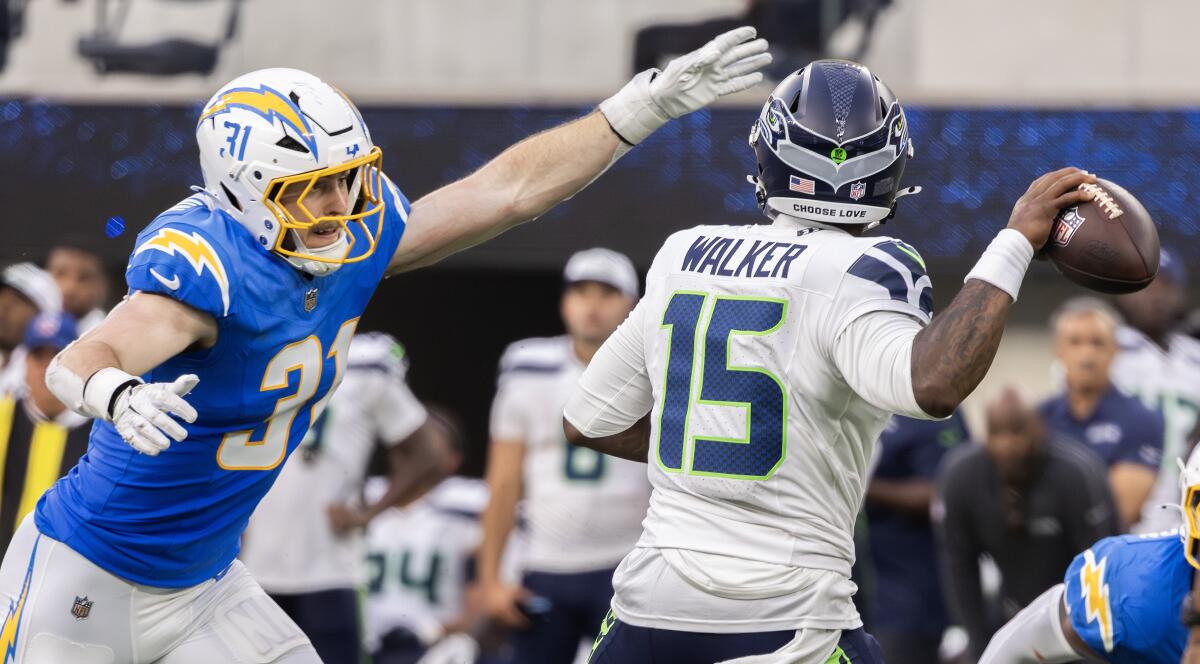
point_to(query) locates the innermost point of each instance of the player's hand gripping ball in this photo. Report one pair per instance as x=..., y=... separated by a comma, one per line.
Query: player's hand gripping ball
x=1108, y=244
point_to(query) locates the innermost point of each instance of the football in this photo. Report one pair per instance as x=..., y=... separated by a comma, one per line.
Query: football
x=1108, y=244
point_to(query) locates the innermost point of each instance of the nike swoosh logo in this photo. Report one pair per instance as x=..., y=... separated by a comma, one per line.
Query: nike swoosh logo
x=172, y=283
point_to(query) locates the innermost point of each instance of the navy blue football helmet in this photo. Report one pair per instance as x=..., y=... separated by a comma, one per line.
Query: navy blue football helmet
x=831, y=144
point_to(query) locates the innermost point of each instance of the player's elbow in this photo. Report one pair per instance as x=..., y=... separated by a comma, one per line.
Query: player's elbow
x=935, y=397
x=574, y=436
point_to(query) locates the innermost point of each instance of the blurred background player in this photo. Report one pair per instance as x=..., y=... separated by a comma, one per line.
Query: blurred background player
x=788, y=346
x=25, y=290
x=1161, y=366
x=1125, y=600
x=80, y=275
x=1028, y=502
x=583, y=510
x=40, y=439
x=304, y=544
x=1118, y=428
x=421, y=562
x=908, y=614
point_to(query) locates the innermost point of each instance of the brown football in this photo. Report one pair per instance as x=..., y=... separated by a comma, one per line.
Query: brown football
x=1108, y=244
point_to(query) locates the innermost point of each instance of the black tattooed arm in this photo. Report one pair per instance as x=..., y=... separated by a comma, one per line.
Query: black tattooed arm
x=953, y=353
x=632, y=443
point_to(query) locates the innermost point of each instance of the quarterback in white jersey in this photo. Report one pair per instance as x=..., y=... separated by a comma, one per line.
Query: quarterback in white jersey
x=583, y=509
x=304, y=544
x=1162, y=367
x=758, y=371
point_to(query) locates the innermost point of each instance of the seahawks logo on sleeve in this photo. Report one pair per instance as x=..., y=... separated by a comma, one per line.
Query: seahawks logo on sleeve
x=898, y=268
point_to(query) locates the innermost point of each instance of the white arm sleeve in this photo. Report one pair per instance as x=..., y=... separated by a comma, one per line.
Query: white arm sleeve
x=874, y=355
x=1033, y=635
x=614, y=391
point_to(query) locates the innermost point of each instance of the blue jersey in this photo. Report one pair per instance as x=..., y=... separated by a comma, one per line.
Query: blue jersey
x=908, y=591
x=1124, y=597
x=174, y=520
x=1120, y=430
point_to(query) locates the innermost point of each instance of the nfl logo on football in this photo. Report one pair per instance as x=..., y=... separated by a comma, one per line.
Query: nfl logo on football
x=1068, y=222
x=82, y=607
x=858, y=190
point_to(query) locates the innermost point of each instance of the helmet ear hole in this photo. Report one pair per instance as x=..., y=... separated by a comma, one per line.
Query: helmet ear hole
x=232, y=199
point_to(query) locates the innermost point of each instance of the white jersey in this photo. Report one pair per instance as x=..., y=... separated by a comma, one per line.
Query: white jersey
x=769, y=358
x=1168, y=381
x=418, y=558
x=584, y=510
x=290, y=546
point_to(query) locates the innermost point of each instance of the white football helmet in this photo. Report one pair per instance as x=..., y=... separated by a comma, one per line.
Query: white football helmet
x=1189, y=485
x=278, y=130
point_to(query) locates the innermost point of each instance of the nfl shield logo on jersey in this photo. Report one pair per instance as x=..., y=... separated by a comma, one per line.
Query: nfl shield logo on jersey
x=82, y=607
x=310, y=300
x=858, y=190
x=1068, y=221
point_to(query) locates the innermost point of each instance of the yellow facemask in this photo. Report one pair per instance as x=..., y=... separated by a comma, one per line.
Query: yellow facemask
x=366, y=198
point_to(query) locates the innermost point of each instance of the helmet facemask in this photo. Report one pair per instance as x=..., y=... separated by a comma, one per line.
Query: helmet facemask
x=1189, y=484
x=361, y=223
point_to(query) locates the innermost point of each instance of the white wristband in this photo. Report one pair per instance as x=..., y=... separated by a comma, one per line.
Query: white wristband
x=1004, y=263
x=632, y=112
x=99, y=389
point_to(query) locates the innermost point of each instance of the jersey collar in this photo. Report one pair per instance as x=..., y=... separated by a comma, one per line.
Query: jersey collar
x=788, y=222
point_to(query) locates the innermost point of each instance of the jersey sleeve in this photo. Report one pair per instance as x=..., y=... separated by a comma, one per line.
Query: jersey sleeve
x=890, y=276
x=614, y=391
x=395, y=411
x=1089, y=598
x=874, y=355
x=511, y=414
x=185, y=264
x=1142, y=442
x=398, y=412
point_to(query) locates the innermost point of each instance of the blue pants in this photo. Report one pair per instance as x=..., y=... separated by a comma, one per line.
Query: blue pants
x=619, y=643
x=330, y=619
x=578, y=602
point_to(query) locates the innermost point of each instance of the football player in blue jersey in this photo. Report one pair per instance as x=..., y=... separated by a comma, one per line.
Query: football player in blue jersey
x=242, y=302
x=1122, y=600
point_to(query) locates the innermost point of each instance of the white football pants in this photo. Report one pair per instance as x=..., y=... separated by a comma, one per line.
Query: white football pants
x=58, y=607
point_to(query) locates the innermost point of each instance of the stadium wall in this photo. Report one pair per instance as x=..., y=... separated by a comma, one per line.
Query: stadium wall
x=1065, y=53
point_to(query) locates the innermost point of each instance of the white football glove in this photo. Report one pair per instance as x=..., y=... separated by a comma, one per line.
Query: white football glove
x=727, y=64
x=142, y=414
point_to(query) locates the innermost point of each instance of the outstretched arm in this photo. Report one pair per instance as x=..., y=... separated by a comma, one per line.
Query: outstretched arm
x=522, y=183
x=1041, y=632
x=953, y=353
x=97, y=376
x=543, y=170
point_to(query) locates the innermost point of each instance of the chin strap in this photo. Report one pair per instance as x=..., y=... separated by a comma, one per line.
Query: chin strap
x=318, y=268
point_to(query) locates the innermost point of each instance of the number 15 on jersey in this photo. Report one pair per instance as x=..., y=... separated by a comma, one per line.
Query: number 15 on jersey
x=699, y=374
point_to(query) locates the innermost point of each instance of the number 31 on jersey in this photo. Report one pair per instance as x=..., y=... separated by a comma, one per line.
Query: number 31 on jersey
x=237, y=451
